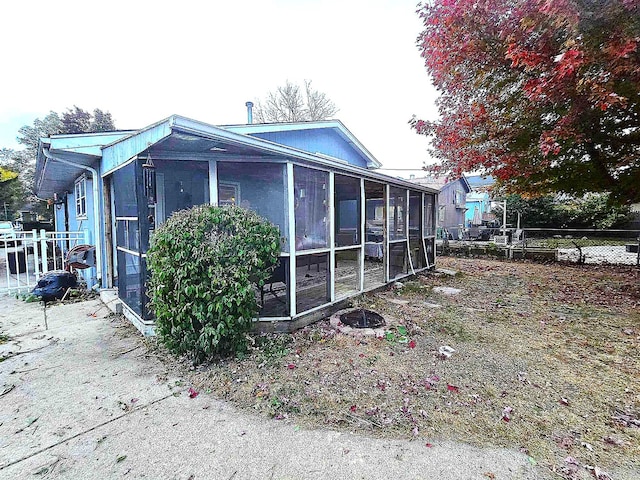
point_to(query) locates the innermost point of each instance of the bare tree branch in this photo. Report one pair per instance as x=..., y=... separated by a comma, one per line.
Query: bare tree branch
x=289, y=104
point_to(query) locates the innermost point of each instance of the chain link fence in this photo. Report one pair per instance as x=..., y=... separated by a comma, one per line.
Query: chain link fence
x=585, y=246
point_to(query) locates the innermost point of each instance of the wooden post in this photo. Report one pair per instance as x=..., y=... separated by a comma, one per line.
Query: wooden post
x=108, y=231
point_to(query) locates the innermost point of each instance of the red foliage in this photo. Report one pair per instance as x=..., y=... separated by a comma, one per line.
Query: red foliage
x=542, y=94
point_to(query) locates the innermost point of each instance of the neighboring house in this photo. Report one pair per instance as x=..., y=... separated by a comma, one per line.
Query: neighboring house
x=451, y=202
x=480, y=183
x=478, y=209
x=479, y=201
x=345, y=228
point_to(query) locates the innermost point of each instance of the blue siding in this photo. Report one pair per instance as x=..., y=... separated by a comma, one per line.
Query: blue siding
x=479, y=200
x=317, y=140
x=59, y=217
x=82, y=224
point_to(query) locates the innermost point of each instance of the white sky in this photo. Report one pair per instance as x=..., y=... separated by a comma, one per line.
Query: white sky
x=145, y=60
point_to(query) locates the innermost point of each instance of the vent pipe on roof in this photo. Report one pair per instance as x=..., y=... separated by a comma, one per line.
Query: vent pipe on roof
x=249, y=112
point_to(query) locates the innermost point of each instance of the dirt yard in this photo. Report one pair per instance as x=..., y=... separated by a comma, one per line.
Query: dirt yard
x=87, y=398
x=546, y=361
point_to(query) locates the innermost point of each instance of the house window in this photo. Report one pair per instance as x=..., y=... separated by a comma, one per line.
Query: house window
x=459, y=198
x=441, y=213
x=81, y=197
x=228, y=193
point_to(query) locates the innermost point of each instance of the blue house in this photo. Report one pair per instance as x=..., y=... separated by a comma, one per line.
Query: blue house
x=478, y=208
x=345, y=228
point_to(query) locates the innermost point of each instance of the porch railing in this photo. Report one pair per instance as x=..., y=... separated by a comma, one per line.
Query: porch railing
x=27, y=256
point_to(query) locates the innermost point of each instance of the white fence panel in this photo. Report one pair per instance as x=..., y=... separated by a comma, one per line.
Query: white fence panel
x=26, y=257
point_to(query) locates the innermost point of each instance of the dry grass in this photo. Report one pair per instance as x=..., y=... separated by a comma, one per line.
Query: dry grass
x=557, y=346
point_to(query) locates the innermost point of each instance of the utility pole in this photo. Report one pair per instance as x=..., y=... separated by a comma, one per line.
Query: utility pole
x=6, y=215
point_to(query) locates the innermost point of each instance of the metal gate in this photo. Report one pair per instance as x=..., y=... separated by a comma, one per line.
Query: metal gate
x=25, y=256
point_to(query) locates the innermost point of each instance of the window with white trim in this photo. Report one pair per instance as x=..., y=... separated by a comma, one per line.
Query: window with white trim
x=459, y=198
x=81, y=197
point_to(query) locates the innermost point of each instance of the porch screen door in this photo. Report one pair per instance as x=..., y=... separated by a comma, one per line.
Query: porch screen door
x=132, y=236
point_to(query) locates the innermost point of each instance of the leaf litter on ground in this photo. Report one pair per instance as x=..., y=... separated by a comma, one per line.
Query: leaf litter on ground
x=546, y=341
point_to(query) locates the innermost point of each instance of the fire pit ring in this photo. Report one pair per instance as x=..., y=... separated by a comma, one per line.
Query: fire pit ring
x=362, y=318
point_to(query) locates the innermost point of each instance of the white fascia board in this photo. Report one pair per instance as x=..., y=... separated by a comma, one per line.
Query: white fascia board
x=250, y=128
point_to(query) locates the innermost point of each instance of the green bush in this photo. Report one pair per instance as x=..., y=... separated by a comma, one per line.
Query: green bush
x=205, y=263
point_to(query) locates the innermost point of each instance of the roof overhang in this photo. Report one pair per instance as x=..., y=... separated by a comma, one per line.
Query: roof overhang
x=224, y=135
x=173, y=134
x=52, y=179
x=83, y=150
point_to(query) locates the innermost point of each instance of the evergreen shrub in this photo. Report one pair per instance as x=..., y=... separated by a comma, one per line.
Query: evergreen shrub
x=205, y=263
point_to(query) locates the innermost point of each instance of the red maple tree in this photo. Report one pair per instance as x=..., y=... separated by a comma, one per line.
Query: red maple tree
x=544, y=95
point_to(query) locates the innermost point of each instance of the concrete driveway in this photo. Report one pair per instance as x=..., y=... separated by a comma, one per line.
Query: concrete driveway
x=84, y=400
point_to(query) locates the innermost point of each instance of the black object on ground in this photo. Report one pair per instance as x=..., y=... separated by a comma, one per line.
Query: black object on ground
x=54, y=285
x=362, y=318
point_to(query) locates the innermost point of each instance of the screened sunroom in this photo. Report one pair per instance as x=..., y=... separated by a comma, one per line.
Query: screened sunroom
x=345, y=229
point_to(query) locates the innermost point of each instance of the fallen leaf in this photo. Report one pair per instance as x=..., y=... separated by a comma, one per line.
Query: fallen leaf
x=412, y=344
x=490, y=475
x=453, y=388
x=506, y=414
x=353, y=408
x=564, y=401
x=120, y=458
x=428, y=445
x=291, y=366
x=192, y=393
x=565, y=442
